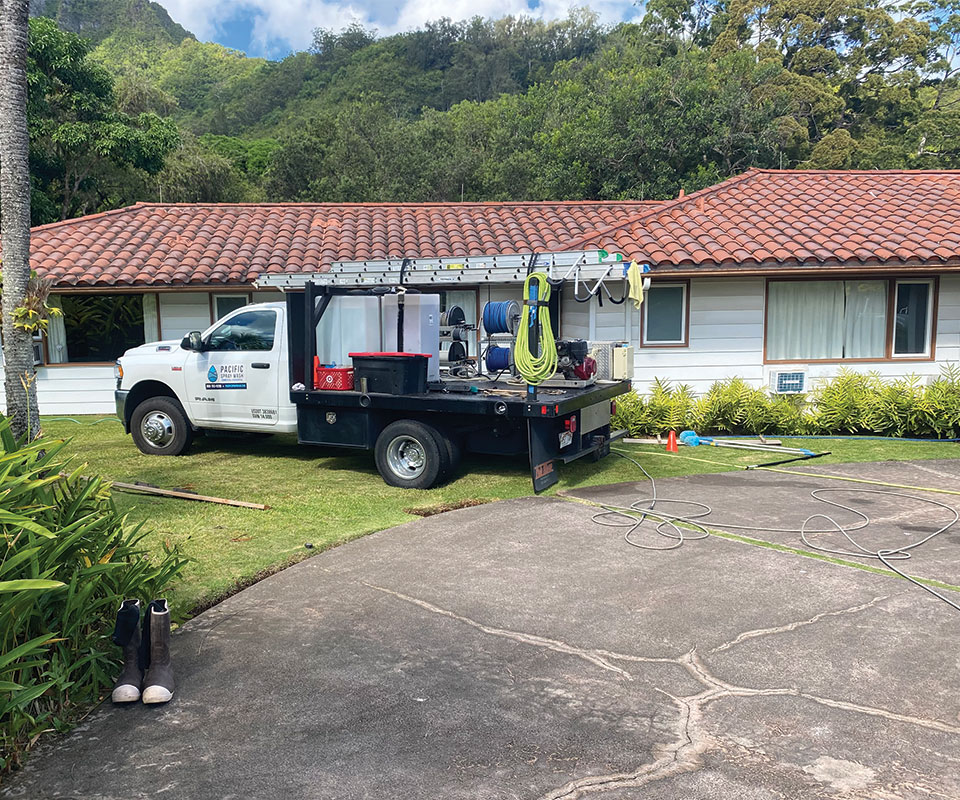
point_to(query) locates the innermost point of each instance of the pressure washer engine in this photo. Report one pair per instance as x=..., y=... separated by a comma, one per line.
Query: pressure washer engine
x=573, y=360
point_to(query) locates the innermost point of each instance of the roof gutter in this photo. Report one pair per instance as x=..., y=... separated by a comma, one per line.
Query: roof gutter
x=150, y=288
x=777, y=272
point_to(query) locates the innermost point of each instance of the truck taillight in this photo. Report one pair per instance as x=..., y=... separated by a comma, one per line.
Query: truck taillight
x=613, y=407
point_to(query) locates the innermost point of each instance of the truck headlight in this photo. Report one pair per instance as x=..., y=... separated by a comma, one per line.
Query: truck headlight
x=118, y=372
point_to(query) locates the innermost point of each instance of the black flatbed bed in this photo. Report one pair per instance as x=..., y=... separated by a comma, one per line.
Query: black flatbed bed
x=490, y=398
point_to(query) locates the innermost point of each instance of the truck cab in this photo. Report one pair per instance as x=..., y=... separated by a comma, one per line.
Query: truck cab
x=227, y=377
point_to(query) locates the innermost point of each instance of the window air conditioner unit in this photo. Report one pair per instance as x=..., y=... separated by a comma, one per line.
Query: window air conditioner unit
x=37, y=352
x=614, y=360
x=792, y=381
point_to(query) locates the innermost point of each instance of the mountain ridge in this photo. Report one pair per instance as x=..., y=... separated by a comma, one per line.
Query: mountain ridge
x=97, y=20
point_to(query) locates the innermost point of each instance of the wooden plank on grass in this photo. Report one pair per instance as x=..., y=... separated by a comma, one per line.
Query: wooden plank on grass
x=136, y=487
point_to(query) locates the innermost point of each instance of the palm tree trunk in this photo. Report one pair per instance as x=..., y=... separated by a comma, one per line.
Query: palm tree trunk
x=19, y=383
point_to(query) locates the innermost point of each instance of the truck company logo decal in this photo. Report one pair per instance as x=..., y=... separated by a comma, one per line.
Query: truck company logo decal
x=229, y=376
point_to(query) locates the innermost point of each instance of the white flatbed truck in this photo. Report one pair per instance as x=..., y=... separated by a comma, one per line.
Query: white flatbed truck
x=252, y=371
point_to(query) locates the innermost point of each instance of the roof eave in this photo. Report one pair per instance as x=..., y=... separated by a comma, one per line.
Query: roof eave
x=802, y=270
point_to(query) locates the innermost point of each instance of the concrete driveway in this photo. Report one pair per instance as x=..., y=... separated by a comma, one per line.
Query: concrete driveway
x=518, y=650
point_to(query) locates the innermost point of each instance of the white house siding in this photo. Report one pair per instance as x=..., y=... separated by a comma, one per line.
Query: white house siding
x=76, y=389
x=575, y=318
x=72, y=390
x=265, y=296
x=182, y=312
x=726, y=338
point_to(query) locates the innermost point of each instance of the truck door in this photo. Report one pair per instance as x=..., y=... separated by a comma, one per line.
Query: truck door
x=234, y=381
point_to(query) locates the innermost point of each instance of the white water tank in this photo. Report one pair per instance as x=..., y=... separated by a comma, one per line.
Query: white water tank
x=349, y=325
x=421, y=327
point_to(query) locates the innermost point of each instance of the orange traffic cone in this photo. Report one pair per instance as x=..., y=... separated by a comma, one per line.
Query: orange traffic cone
x=672, y=442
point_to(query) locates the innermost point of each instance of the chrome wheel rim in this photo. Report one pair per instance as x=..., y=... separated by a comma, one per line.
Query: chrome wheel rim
x=158, y=429
x=406, y=457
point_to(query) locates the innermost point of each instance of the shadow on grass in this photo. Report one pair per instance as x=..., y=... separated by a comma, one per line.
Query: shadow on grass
x=341, y=459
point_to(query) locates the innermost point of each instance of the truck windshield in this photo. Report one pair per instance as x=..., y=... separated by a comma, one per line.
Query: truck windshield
x=251, y=330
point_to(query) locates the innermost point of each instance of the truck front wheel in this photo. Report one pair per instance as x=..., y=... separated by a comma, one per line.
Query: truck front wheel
x=410, y=455
x=160, y=427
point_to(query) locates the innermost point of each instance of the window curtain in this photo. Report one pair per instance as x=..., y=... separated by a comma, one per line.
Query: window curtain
x=865, y=320
x=56, y=334
x=804, y=319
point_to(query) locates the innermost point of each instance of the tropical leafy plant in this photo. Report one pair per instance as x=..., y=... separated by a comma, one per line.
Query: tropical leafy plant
x=35, y=313
x=67, y=559
x=849, y=403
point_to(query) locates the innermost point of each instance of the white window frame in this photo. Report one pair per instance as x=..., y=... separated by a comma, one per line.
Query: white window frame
x=928, y=333
x=684, y=311
x=226, y=296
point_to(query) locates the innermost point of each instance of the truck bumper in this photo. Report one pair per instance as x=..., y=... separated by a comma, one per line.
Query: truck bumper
x=120, y=396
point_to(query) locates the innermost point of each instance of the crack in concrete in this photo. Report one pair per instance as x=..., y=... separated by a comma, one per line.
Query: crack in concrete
x=692, y=740
x=592, y=656
x=931, y=471
x=792, y=626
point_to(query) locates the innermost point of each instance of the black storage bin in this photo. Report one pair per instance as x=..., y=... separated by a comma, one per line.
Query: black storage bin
x=390, y=373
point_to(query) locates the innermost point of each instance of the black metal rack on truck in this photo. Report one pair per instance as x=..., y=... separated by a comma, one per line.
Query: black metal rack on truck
x=544, y=400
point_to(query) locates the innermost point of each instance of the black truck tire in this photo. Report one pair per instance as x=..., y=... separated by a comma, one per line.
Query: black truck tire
x=411, y=455
x=454, y=447
x=159, y=427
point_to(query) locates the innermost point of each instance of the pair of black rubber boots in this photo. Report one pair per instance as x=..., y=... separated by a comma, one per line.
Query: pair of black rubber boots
x=147, y=673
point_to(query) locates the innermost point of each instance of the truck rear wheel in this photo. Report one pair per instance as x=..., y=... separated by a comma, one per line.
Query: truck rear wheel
x=411, y=455
x=160, y=427
x=454, y=447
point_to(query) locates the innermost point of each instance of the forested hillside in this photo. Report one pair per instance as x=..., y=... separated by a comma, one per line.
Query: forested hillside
x=512, y=108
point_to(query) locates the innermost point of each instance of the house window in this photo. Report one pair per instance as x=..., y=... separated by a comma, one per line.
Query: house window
x=251, y=330
x=97, y=327
x=848, y=320
x=665, y=315
x=223, y=304
x=913, y=318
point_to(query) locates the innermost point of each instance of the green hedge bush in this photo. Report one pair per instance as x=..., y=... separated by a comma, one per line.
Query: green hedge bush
x=850, y=403
x=69, y=558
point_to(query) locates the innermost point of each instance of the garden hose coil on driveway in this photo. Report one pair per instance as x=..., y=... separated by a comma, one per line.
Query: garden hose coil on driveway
x=678, y=528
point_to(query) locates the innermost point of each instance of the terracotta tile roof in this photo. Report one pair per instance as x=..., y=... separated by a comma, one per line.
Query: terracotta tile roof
x=771, y=220
x=153, y=245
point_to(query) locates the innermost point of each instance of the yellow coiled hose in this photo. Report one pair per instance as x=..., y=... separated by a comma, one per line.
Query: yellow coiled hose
x=536, y=369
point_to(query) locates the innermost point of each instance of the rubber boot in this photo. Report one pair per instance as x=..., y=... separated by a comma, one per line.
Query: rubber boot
x=126, y=634
x=155, y=647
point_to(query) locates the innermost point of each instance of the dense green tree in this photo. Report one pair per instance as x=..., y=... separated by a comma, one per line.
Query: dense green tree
x=78, y=136
x=517, y=108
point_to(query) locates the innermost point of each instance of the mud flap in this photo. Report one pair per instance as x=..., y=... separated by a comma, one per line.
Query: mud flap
x=543, y=443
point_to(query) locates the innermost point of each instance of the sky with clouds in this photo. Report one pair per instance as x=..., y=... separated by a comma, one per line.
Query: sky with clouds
x=274, y=28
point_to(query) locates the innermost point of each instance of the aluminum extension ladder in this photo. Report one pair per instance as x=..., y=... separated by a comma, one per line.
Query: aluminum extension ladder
x=580, y=266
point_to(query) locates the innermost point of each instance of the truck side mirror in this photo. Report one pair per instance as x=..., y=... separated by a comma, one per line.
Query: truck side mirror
x=192, y=341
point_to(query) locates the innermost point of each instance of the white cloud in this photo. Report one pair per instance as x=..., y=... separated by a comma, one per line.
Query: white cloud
x=284, y=25
x=280, y=26
x=200, y=18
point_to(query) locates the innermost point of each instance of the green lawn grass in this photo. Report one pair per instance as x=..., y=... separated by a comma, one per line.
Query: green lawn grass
x=325, y=497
